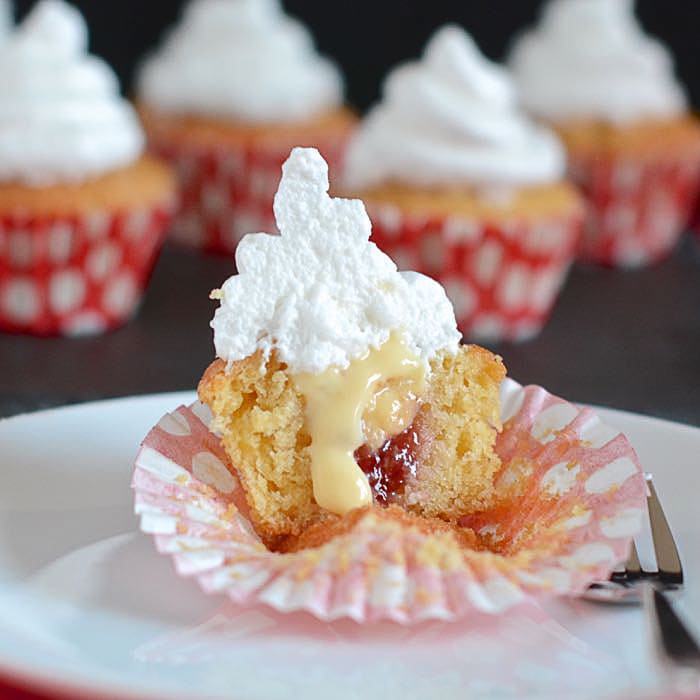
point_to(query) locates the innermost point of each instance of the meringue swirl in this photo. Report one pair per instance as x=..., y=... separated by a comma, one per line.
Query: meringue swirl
x=590, y=59
x=299, y=293
x=61, y=115
x=451, y=119
x=241, y=59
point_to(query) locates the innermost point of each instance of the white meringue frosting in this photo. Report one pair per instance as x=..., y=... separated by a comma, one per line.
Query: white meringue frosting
x=590, y=59
x=451, y=119
x=61, y=115
x=241, y=59
x=321, y=294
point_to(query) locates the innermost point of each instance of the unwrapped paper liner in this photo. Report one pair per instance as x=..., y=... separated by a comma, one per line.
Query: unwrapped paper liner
x=227, y=192
x=77, y=275
x=502, y=278
x=636, y=212
x=575, y=496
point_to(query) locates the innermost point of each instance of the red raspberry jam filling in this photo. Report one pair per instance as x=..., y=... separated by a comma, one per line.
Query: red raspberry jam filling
x=389, y=467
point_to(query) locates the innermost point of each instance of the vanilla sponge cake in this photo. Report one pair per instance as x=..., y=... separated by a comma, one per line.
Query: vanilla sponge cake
x=260, y=418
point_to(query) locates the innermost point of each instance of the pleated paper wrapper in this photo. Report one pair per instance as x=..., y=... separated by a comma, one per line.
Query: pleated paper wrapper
x=503, y=278
x=227, y=192
x=77, y=275
x=571, y=496
x=636, y=211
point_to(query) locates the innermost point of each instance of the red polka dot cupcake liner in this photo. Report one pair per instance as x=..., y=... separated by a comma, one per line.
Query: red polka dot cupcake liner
x=570, y=496
x=503, y=279
x=636, y=212
x=227, y=192
x=695, y=220
x=77, y=275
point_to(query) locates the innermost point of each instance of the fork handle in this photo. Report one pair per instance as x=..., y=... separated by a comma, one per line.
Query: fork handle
x=674, y=647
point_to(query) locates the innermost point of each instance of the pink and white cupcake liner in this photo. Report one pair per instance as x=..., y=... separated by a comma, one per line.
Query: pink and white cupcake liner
x=75, y=275
x=571, y=495
x=636, y=211
x=227, y=192
x=503, y=280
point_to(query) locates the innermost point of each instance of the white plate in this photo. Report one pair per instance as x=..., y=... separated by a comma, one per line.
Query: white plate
x=86, y=602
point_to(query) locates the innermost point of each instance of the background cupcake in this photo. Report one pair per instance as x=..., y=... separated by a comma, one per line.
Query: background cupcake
x=461, y=186
x=233, y=88
x=82, y=211
x=609, y=90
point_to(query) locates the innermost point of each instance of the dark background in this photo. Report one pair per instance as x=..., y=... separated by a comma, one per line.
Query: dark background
x=367, y=37
x=627, y=339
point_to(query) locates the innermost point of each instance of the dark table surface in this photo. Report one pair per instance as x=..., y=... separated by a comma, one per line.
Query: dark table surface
x=625, y=339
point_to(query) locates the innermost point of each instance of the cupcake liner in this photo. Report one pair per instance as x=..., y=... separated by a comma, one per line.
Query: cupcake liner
x=571, y=495
x=695, y=218
x=228, y=192
x=76, y=275
x=502, y=279
x=636, y=211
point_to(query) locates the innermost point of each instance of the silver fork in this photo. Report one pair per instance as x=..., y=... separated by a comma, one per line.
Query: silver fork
x=675, y=649
x=623, y=585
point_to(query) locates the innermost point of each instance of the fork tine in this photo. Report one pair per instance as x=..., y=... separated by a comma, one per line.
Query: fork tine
x=633, y=568
x=667, y=559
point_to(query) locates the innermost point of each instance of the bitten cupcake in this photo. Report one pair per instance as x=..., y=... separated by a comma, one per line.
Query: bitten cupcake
x=82, y=211
x=460, y=185
x=351, y=458
x=591, y=72
x=232, y=89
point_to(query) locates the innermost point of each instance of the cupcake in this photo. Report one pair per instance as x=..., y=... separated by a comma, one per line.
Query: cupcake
x=331, y=392
x=232, y=89
x=461, y=186
x=351, y=458
x=608, y=89
x=82, y=210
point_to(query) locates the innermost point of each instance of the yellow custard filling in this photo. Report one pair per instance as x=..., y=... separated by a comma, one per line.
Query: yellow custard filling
x=373, y=399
